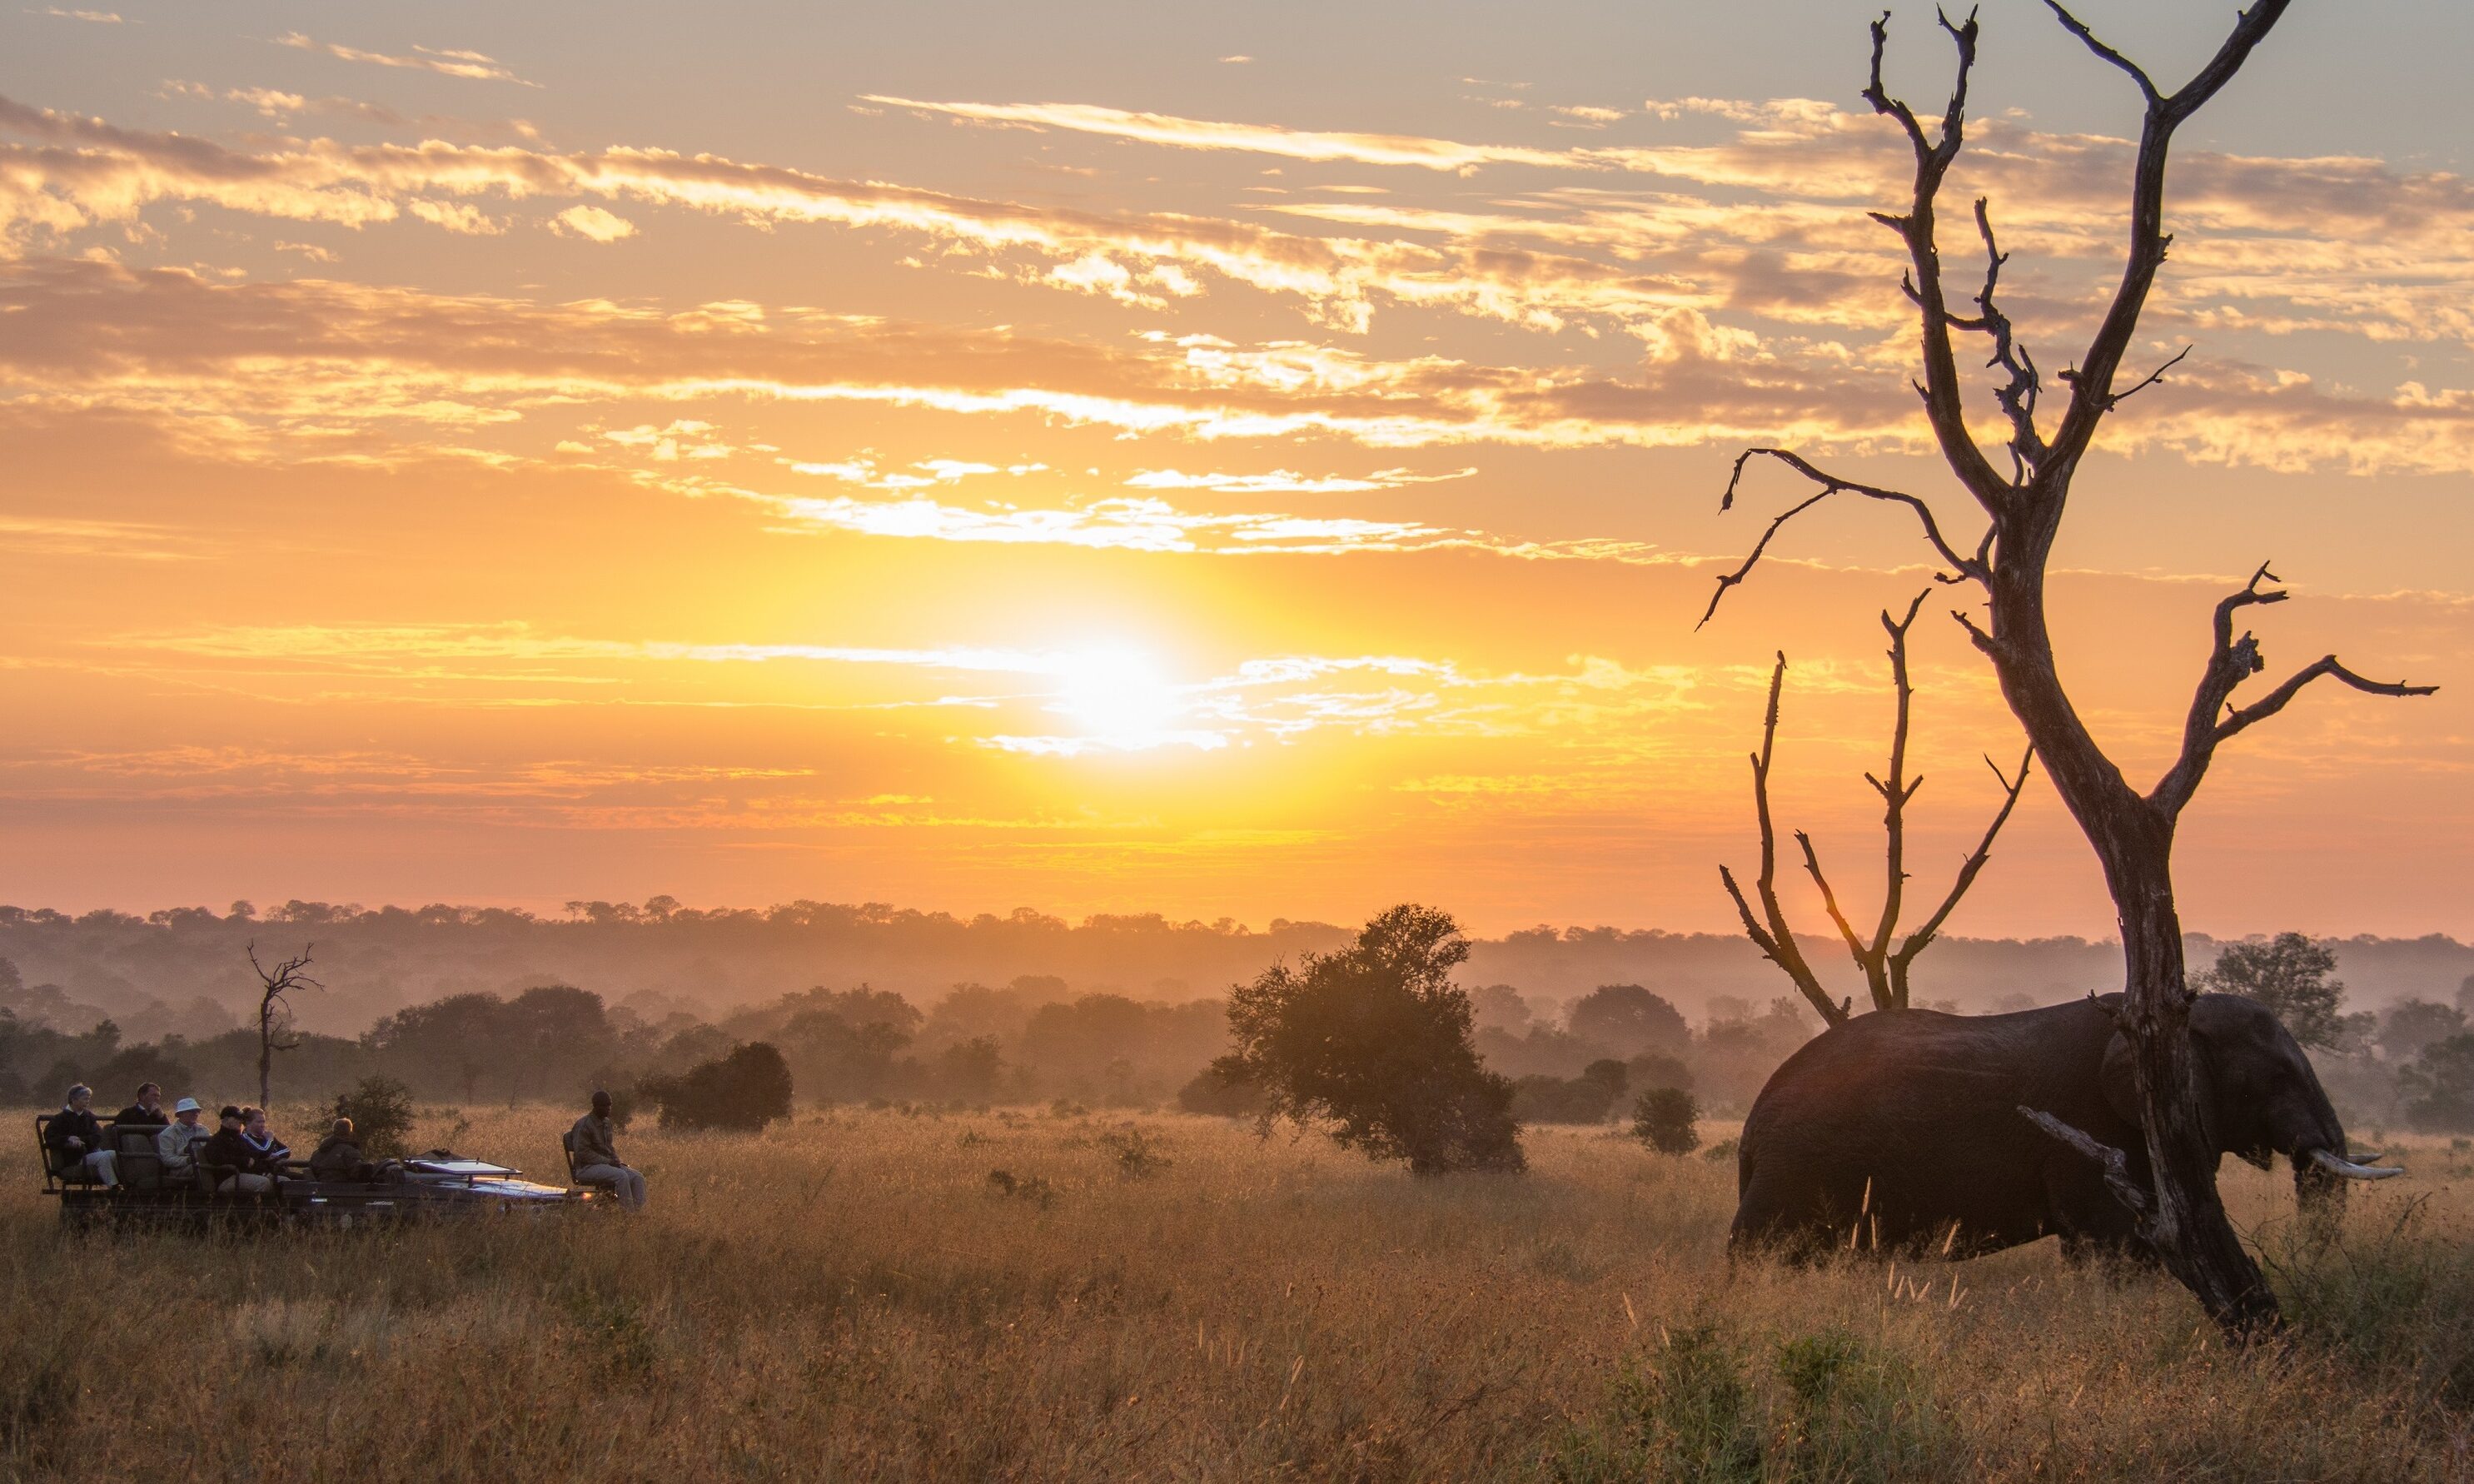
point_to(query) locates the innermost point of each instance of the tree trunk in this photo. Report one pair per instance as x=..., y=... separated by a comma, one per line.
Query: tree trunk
x=265, y=1057
x=2134, y=840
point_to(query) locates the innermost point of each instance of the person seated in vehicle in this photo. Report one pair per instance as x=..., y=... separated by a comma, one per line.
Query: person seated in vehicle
x=74, y=1142
x=241, y=1169
x=596, y=1155
x=253, y=1130
x=177, y=1143
x=147, y=1113
x=339, y=1155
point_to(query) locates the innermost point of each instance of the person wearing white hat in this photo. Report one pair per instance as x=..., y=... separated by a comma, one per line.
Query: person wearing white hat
x=177, y=1142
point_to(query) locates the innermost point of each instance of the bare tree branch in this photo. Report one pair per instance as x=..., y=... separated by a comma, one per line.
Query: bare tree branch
x=2213, y=717
x=1922, y=938
x=1777, y=940
x=1962, y=568
x=274, y=983
x=2111, y=1160
x=1944, y=405
x=2092, y=384
x=2017, y=395
x=2150, y=379
x=1830, y=904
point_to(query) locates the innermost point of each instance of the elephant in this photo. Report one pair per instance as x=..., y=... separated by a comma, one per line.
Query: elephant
x=1901, y=1130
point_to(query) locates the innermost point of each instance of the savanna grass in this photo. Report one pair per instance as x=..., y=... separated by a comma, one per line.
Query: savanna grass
x=856, y=1297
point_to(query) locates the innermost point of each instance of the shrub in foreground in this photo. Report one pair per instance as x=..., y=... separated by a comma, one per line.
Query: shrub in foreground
x=380, y=1109
x=741, y=1092
x=1373, y=1042
x=1664, y=1119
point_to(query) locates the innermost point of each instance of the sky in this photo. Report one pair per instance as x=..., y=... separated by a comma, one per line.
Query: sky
x=1234, y=461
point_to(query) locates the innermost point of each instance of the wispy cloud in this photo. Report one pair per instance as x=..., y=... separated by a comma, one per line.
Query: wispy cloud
x=97, y=17
x=1193, y=134
x=449, y=63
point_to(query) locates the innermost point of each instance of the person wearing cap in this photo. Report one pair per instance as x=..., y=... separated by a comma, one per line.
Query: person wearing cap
x=177, y=1143
x=147, y=1113
x=250, y=1171
x=74, y=1140
x=596, y=1157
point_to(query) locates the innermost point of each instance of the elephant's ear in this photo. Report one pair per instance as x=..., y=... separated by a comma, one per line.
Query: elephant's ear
x=2122, y=1088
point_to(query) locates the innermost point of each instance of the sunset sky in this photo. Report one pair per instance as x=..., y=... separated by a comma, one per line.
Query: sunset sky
x=1255, y=460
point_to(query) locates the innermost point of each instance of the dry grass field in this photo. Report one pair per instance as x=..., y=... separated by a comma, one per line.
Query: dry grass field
x=1169, y=1297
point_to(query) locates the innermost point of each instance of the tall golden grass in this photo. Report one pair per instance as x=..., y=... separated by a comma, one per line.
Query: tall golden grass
x=1164, y=1297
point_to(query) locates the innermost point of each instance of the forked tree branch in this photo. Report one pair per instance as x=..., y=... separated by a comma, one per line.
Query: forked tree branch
x=2092, y=383
x=2112, y=1161
x=1777, y=940
x=1962, y=568
x=1922, y=938
x=1885, y=972
x=2214, y=719
x=1943, y=394
x=2017, y=395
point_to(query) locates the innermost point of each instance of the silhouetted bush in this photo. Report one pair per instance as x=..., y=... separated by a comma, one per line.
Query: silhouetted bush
x=1374, y=1041
x=741, y=1092
x=2440, y=1083
x=1563, y=1099
x=1663, y=1118
x=1211, y=1093
x=381, y=1109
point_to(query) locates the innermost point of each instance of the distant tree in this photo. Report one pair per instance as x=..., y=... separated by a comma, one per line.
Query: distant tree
x=741, y=1092
x=1628, y=1020
x=1212, y=1094
x=1664, y=1119
x=381, y=1109
x=1499, y=1007
x=970, y=1070
x=274, y=1013
x=2292, y=976
x=2411, y=1025
x=2465, y=994
x=2440, y=1086
x=1652, y=1070
x=1373, y=1042
x=120, y=1075
x=1578, y=1099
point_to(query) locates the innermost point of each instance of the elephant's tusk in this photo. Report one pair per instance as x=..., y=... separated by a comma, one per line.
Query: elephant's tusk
x=2335, y=1164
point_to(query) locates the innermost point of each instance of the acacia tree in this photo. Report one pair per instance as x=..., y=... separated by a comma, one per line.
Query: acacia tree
x=274, y=1011
x=2130, y=830
x=1885, y=968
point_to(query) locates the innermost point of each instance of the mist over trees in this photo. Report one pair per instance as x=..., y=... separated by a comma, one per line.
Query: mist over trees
x=485, y=1006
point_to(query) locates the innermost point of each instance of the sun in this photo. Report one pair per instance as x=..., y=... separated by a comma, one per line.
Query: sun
x=1118, y=697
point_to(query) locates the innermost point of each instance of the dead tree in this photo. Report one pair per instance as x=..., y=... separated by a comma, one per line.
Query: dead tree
x=1885, y=968
x=2131, y=831
x=273, y=984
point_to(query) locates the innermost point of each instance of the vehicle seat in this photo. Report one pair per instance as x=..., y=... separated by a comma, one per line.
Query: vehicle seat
x=140, y=1163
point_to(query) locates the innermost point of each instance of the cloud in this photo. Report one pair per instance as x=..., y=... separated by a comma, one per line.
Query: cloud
x=450, y=63
x=593, y=224
x=98, y=17
x=1368, y=149
x=1282, y=481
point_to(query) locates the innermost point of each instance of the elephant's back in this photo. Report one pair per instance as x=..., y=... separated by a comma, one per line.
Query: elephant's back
x=1921, y=1085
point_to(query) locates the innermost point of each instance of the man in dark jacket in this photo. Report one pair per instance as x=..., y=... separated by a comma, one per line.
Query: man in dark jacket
x=74, y=1140
x=596, y=1157
x=339, y=1157
x=239, y=1170
x=147, y=1113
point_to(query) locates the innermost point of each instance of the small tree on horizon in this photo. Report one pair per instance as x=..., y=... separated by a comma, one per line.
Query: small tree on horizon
x=274, y=1013
x=1372, y=1042
x=2292, y=976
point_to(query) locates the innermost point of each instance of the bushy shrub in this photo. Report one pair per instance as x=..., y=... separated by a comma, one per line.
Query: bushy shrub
x=1373, y=1042
x=2440, y=1083
x=1213, y=1094
x=741, y=1092
x=1664, y=1119
x=1582, y=1100
x=380, y=1109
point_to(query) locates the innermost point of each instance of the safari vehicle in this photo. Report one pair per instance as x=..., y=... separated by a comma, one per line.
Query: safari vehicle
x=438, y=1185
